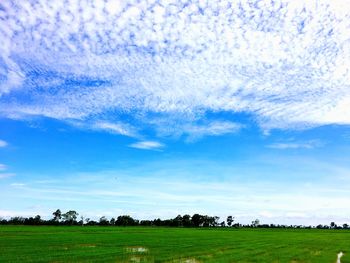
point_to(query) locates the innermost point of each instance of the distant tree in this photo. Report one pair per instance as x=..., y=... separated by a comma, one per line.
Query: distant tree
x=177, y=221
x=3, y=221
x=29, y=221
x=17, y=220
x=333, y=225
x=81, y=222
x=37, y=220
x=92, y=223
x=167, y=222
x=223, y=224
x=229, y=220
x=70, y=217
x=112, y=221
x=57, y=215
x=125, y=220
x=157, y=222
x=207, y=221
x=237, y=225
x=345, y=226
x=215, y=221
x=145, y=222
x=104, y=221
x=186, y=221
x=255, y=223
x=197, y=220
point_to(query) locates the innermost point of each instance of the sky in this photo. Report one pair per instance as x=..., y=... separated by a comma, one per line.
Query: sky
x=159, y=108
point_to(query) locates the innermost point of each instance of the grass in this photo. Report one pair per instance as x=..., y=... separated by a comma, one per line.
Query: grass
x=139, y=244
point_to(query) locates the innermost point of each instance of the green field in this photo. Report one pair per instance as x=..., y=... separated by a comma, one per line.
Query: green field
x=139, y=244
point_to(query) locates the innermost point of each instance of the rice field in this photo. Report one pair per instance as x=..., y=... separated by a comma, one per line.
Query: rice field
x=156, y=244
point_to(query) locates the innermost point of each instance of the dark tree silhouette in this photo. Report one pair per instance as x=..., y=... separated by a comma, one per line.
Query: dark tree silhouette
x=57, y=215
x=197, y=220
x=104, y=221
x=255, y=223
x=186, y=221
x=229, y=220
x=177, y=221
x=125, y=220
x=70, y=217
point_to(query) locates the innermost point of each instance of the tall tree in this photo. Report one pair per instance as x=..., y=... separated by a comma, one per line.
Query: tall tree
x=255, y=223
x=125, y=220
x=229, y=220
x=333, y=225
x=104, y=221
x=57, y=215
x=70, y=217
x=197, y=220
x=177, y=221
x=186, y=221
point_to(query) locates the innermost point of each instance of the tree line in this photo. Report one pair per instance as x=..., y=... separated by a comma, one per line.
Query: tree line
x=71, y=218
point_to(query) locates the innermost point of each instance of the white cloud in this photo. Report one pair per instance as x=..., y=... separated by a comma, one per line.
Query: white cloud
x=284, y=62
x=3, y=143
x=118, y=128
x=295, y=145
x=214, y=128
x=193, y=129
x=2, y=167
x=147, y=145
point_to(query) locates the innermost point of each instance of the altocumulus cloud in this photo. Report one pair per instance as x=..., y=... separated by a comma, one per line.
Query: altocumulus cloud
x=284, y=62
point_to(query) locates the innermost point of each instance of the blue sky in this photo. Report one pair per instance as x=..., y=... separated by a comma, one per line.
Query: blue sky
x=159, y=108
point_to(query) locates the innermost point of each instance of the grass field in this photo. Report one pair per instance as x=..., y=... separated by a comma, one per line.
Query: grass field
x=138, y=244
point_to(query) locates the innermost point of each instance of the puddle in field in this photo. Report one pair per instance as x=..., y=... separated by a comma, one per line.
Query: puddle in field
x=340, y=254
x=137, y=249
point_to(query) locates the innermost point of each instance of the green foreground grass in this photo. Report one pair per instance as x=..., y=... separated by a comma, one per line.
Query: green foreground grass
x=139, y=244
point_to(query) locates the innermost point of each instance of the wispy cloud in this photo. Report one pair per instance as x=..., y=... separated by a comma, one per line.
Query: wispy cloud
x=17, y=184
x=117, y=128
x=271, y=201
x=3, y=167
x=295, y=145
x=214, y=128
x=147, y=145
x=3, y=143
x=6, y=175
x=113, y=126
x=288, y=66
x=193, y=129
